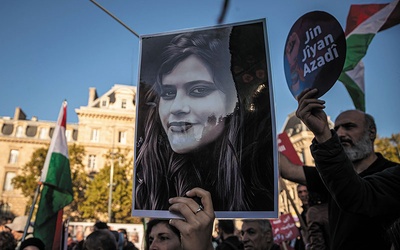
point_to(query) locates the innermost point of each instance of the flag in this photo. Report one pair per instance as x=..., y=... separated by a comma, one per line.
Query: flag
x=363, y=22
x=57, y=187
x=286, y=147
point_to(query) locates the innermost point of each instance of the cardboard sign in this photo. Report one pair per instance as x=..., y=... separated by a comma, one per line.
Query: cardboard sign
x=284, y=228
x=205, y=118
x=315, y=52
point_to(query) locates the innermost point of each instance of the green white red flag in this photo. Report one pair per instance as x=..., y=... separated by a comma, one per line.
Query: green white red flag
x=57, y=187
x=363, y=23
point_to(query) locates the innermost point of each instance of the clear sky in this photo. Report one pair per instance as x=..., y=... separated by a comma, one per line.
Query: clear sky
x=55, y=50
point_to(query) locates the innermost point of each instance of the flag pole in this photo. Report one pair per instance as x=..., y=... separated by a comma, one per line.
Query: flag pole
x=28, y=222
x=115, y=18
x=302, y=222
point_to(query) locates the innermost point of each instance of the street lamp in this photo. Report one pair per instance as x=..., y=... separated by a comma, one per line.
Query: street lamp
x=111, y=177
x=111, y=187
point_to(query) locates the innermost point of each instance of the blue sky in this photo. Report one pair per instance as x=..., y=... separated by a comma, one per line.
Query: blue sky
x=55, y=50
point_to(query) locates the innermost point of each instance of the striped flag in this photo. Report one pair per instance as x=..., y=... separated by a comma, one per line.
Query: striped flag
x=363, y=22
x=57, y=187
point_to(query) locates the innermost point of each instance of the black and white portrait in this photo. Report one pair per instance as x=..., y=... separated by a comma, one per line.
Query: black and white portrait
x=205, y=118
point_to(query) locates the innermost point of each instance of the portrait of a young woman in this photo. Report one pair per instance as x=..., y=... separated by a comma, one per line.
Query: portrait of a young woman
x=205, y=119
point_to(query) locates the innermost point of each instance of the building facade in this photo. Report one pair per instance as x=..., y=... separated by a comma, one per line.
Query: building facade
x=105, y=124
x=301, y=138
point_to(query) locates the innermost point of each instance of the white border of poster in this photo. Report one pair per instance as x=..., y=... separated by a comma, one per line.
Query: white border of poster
x=205, y=118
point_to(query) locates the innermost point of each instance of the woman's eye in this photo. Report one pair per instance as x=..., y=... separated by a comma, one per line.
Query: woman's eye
x=162, y=238
x=168, y=94
x=201, y=91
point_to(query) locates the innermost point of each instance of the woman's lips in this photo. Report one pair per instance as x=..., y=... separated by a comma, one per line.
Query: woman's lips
x=179, y=126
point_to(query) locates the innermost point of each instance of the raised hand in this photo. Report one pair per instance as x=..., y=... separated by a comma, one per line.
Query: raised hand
x=310, y=111
x=196, y=228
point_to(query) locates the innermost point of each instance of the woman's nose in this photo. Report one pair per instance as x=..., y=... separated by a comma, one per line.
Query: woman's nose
x=180, y=104
x=153, y=246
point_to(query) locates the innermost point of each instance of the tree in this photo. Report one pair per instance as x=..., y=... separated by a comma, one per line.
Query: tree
x=97, y=195
x=28, y=178
x=80, y=181
x=389, y=147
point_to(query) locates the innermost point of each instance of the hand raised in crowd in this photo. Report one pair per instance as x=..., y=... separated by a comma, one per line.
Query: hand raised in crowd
x=310, y=111
x=196, y=228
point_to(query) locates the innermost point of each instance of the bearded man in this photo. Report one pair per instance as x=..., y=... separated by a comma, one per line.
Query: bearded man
x=363, y=188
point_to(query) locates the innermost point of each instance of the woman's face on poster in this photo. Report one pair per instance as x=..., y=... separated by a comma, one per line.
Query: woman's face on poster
x=192, y=109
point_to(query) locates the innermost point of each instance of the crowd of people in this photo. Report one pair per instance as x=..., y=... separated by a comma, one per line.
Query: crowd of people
x=361, y=190
x=12, y=232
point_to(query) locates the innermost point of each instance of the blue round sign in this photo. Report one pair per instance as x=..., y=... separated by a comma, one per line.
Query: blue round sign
x=315, y=52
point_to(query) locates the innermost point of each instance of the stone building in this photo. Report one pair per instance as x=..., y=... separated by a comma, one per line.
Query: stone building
x=106, y=123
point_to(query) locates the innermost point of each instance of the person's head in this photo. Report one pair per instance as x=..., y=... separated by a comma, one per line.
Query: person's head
x=70, y=240
x=17, y=227
x=7, y=241
x=123, y=232
x=191, y=114
x=99, y=225
x=256, y=234
x=100, y=240
x=302, y=193
x=79, y=236
x=135, y=237
x=196, y=89
x=161, y=235
x=357, y=133
x=225, y=227
x=32, y=244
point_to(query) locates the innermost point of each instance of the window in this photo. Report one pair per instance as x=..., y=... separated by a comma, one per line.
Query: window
x=301, y=156
x=20, y=131
x=13, y=156
x=122, y=137
x=92, y=163
x=43, y=133
x=95, y=135
x=123, y=104
x=68, y=135
x=104, y=103
x=8, y=186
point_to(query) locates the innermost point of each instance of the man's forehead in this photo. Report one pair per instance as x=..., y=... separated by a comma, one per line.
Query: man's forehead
x=351, y=116
x=250, y=225
x=302, y=188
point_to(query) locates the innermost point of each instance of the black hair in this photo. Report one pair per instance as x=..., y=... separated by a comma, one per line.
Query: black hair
x=227, y=226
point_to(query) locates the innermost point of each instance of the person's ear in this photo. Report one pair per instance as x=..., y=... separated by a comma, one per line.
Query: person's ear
x=372, y=134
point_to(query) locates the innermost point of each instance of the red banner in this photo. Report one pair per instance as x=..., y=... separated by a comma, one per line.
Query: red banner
x=284, y=228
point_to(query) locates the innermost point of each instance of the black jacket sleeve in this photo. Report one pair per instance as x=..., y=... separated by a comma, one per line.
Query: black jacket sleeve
x=373, y=195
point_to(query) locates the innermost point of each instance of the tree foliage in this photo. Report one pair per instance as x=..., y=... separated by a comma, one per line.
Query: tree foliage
x=389, y=147
x=80, y=181
x=95, y=205
x=28, y=178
